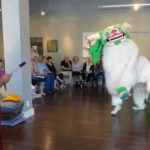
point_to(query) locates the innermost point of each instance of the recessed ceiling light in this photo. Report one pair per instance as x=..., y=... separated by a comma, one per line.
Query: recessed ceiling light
x=43, y=13
x=136, y=7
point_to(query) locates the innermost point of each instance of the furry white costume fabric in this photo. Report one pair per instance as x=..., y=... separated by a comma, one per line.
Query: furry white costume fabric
x=142, y=83
x=119, y=62
x=123, y=68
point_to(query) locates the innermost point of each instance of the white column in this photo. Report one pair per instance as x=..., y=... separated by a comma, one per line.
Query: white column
x=15, y=20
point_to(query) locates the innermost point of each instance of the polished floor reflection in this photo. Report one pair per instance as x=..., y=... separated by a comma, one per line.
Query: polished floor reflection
x=79, y=119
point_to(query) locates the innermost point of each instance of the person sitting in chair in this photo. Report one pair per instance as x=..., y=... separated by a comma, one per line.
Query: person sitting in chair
x=42, y=70
x=76, y=70
x=88, y=70
x=36, y=80
x=52, y=69
x=99, y=72
x=66, y=67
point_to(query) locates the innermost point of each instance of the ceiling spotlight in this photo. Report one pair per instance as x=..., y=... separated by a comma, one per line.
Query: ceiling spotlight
x=136, y=7
x=43, y=13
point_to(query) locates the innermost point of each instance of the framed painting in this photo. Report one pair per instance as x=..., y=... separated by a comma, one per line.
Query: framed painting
x=85, y=46
x=37, y=42
x=52, y=46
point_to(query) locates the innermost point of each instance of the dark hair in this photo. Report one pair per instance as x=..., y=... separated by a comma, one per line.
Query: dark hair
x=49, y=57
x=1, y=60
x=43, y=57
x=75, y=57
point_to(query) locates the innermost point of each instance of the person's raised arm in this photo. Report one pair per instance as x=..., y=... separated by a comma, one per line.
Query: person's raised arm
x=1, y=82
x=5, y=79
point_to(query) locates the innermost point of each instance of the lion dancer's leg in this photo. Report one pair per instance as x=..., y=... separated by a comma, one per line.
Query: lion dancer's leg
x=129, y=75
x=117, y=103
x=147, y=92
x=139, y=96
x=123, y=92
x=117, y=100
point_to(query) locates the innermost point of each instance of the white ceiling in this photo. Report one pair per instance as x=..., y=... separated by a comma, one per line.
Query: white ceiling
x=46, y=4
x=50, y=5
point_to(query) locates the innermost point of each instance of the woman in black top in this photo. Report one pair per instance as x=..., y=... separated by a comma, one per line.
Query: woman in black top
x=52, y=69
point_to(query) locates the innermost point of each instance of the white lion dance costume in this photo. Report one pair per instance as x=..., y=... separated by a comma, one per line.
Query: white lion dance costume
x=123, y=68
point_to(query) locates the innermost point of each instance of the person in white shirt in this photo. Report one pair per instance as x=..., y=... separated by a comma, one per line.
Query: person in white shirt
x=88, y=70
x=76, y=70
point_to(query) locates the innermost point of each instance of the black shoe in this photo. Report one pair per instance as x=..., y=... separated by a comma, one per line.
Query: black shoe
x=48, y=92
x=54, y=90
x=58, y=90
x=76, y=85
x=85, y=85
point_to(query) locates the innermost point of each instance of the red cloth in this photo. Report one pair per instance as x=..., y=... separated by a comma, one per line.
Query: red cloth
x=1, y=147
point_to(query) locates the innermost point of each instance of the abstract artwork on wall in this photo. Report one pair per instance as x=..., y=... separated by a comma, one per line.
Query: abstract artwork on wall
x=52, y=46
x=37, y=42
x=85, y=43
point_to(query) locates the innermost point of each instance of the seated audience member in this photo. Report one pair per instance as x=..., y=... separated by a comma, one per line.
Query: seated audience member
x=52, y=69
x=33, y=53
x=2, y=71
x=99, y=72
x=36, y=80
x=76, y=70
x=88, y=70
x=43, y=71
x=66, y=67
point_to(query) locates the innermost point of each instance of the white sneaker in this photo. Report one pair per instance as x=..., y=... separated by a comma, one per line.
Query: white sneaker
x=62, y=86
x=116, y=109
x=36, y=96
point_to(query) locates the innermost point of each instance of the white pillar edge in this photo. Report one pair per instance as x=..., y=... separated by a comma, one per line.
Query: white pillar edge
x=29, y=113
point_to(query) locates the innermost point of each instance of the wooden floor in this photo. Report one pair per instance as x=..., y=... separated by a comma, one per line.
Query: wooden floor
x=79, y=119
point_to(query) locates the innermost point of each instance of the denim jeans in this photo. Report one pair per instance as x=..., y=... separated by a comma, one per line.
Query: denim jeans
x=96, y=75
x=49, y=82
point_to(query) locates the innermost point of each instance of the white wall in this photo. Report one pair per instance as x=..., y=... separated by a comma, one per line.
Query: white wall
x=68, y=19
x=68, y=24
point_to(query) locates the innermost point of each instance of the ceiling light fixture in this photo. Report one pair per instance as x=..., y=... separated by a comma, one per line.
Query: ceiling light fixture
x=124, y=6
x=43, y=13
x=136, y=7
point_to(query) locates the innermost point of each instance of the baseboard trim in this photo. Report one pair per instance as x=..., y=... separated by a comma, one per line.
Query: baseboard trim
x=29, y=113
